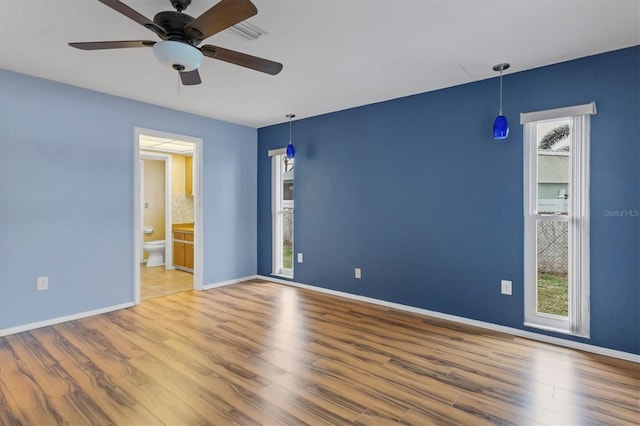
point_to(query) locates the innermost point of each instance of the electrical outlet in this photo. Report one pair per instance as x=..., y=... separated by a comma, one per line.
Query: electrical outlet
x=358, y=273
x=42, y=283
x=299, y=257
x=505, y=287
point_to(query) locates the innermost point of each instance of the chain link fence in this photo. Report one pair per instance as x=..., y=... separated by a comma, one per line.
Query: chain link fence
x=553, y=248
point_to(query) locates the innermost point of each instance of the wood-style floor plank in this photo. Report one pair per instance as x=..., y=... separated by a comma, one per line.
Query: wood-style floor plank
x=158, y=282
x=260, y=353
x=115, y=402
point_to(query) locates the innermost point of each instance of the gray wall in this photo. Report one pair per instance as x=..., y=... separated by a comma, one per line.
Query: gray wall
x=66, y=191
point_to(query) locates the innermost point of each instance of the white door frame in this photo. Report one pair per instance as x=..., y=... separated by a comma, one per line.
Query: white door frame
x=137, y=210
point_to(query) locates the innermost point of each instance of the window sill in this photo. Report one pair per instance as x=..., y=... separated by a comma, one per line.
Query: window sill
x=556, y=330
x=273, y=274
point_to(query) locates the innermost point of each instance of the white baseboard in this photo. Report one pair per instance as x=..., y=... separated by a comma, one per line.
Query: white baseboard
x=462, y=320
x=234, y=281
x=39, y=324
x=53, y=321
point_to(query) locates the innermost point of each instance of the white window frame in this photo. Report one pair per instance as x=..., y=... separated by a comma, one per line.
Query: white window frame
x=278, y=205
x=578, y=320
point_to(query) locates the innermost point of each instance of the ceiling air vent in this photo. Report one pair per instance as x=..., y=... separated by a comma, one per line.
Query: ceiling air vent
x=247, y=31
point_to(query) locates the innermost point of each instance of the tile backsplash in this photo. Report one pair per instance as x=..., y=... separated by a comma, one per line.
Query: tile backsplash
x=181, y=209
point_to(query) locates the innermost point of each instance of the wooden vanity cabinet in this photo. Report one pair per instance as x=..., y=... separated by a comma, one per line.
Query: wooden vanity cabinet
x=188, y=256
x=183, y=250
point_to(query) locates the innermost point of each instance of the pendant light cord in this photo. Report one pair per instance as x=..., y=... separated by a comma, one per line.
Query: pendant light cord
x=501, y=68
x=500, y=113
x=290, y=116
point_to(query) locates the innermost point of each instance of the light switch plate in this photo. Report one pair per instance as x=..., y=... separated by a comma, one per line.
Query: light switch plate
x=299, y=257
x=358, y=273
x=505, y=287
x=42, y=283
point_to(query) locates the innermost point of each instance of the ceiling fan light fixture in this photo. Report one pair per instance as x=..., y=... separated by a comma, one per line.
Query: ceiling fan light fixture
x=179, y=56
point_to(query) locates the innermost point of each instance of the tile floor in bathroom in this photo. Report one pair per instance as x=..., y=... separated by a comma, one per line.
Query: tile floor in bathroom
x=158, y=282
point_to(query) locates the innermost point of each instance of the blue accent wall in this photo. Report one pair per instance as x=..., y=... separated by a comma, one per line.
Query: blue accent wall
x=417, y=193
x=66, y=197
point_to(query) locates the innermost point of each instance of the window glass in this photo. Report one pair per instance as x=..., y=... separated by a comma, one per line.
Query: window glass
x=553, y=161
x=282, y=221
x=553, y=267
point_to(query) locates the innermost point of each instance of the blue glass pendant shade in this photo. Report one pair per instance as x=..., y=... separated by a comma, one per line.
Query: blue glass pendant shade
x=291, y=151
x=500, y=127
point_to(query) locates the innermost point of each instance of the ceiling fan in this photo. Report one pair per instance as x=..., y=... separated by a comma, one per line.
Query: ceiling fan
x=181, y=34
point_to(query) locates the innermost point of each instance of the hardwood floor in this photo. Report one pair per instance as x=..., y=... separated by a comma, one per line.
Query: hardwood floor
x=264, y=353
x=158, y=282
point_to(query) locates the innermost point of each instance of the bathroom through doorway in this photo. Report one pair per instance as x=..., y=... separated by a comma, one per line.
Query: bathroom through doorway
x=167, y=227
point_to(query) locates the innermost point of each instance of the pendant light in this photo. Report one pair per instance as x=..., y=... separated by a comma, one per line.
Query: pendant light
x=501, y=126
x=291, y=151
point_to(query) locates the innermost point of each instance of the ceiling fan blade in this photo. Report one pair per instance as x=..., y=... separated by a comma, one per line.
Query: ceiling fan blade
x=118, y=6
x=99, y=45
x=190, y=78
x=242, y=59
x=221, y=16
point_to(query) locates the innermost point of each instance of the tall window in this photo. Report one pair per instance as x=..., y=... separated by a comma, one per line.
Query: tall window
x=557, y=219
x=282, y=213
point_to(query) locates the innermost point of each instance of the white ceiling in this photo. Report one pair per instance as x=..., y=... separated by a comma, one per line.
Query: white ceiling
x=337, y=54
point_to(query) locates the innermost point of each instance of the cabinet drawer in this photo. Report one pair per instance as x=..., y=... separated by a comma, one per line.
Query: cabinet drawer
x=183, y=236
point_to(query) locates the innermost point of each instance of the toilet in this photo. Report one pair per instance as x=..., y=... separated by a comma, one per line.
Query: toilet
x=155, y=250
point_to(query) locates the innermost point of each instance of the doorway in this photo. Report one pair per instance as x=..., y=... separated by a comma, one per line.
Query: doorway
x=167, y=212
